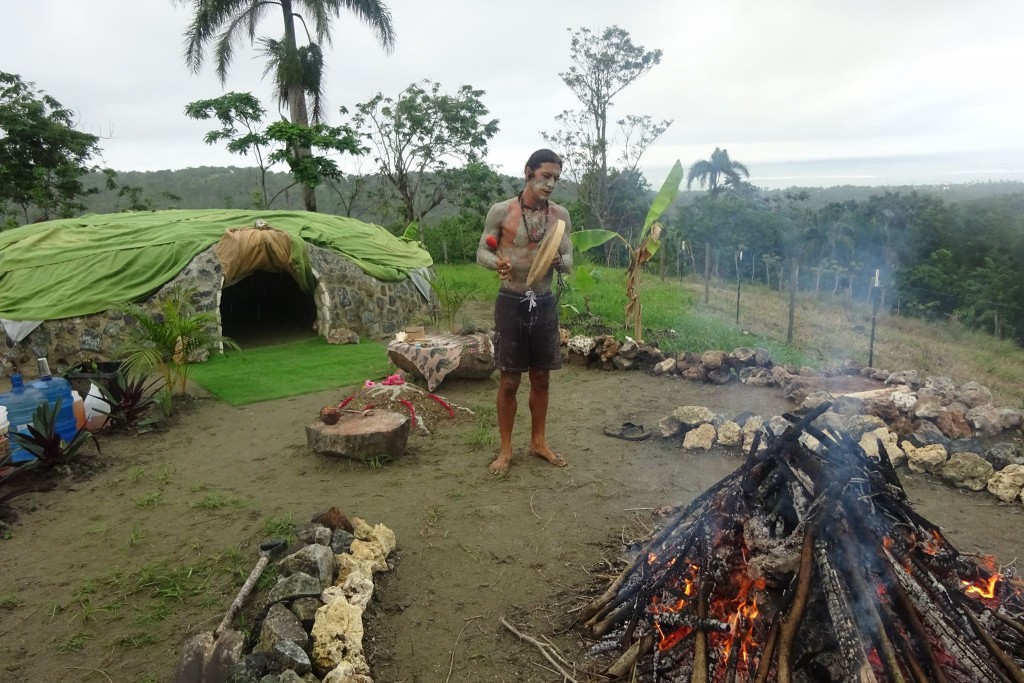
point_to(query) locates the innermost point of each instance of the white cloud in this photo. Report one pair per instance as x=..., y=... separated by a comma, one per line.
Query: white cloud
x=773, y=82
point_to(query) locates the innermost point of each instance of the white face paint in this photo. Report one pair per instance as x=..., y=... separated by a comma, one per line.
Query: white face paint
x=542, y=182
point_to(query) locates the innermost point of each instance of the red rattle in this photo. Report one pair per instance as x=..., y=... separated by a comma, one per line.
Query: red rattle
x=492, y=242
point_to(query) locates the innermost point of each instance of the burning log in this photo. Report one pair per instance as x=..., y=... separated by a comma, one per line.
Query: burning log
x=808, y=563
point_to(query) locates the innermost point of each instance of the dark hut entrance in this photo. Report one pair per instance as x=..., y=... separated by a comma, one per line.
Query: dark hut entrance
x=267, y=308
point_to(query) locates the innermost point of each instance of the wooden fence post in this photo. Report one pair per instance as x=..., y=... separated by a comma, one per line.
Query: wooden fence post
x=707, y=272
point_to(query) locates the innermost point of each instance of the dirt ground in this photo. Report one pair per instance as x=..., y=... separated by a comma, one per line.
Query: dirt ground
x=472, y=547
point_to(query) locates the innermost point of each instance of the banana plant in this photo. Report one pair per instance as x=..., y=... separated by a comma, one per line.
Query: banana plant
x=647, y=245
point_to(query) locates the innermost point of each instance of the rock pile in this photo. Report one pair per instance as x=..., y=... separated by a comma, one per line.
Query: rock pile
x=312, y=625
x=751, y=366
x=928, y=423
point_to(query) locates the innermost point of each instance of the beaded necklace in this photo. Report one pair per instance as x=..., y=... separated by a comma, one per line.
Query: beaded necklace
x=534, y=234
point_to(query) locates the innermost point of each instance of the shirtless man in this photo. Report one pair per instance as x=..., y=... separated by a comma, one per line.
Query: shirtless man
x=525, y=321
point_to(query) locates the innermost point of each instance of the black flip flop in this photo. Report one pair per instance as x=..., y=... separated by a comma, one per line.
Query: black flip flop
x=628, y=432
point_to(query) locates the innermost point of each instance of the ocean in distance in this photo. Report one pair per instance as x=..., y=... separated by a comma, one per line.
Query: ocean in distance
x=930, y=169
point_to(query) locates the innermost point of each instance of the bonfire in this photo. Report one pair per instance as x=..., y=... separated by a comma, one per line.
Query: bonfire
x=808, y=563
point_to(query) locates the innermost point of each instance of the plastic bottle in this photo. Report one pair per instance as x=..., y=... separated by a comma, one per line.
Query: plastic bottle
x=5, y=439
x=54, y=388
x=79, y=406
x=96, y=409
x=21, y=403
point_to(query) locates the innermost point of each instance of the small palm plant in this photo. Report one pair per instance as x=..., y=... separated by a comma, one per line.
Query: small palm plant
x=165, y=341
x=451, y=297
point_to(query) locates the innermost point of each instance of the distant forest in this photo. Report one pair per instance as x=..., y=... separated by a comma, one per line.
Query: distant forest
x=944, y=252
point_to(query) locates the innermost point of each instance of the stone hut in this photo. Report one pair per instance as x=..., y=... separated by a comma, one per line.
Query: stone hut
x=268, y=275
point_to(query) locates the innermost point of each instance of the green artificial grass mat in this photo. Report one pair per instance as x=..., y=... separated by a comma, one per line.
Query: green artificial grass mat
x=269, y=372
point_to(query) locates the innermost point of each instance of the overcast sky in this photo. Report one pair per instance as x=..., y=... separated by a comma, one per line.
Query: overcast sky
x=803, y=92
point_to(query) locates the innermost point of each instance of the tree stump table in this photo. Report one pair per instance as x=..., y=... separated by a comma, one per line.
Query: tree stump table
x=380, y=434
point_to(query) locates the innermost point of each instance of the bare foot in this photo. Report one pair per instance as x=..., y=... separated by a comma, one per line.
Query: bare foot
x=500, y=464
x=549, y=455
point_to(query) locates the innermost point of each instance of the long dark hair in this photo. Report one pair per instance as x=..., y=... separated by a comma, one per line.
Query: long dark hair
x=543, y=156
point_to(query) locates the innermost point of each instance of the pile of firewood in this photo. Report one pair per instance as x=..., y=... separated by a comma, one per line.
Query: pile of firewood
x=808, y=563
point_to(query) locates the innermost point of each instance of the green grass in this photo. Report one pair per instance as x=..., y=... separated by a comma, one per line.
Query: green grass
x=263, y=374
x=669, y=316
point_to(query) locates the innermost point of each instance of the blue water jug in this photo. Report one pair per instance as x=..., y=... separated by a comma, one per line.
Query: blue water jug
x=54, y=388
x=21, y=402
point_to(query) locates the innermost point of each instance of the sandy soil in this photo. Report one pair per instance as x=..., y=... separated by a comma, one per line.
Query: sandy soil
x=472, y=547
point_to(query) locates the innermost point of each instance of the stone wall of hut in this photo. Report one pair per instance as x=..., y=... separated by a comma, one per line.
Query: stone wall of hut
x=349, y=304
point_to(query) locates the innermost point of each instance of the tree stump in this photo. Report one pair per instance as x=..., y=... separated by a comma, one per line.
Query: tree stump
x=379, y=435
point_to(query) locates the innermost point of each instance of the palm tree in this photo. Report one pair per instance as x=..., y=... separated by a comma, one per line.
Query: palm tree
x=298, y=70
x=717, y=172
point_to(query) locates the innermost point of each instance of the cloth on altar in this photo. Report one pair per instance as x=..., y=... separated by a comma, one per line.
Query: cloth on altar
x=438, y=356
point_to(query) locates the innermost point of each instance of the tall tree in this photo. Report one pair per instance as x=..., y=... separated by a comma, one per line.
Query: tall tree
x=603, y=64
x=717, y=172
x=298, y=70
x=419, y=136
x=42, y=156
x=241, y=118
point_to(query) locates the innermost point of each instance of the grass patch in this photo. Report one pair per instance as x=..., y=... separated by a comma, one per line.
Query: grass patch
x=670, y=318
x=280, y=527
x=827, y=329
x=266, y=373
x=216, y=501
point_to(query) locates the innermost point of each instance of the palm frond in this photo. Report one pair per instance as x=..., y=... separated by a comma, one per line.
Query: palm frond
x=208, y=17
x=376, y=15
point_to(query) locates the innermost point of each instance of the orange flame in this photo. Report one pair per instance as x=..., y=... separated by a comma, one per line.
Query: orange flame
x=933, y=545
x=746, y=610
x=987, y=590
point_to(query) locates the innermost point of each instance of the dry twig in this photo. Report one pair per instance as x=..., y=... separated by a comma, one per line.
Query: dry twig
x=451, y=663
x=549, y=651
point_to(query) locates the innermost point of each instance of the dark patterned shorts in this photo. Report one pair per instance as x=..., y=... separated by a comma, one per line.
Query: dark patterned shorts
x=526, y=335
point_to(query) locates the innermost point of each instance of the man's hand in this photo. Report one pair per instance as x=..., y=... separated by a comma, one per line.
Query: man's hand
x=504, y=267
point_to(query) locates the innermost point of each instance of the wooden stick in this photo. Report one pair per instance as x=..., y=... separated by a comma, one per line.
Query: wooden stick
x=545, y=649
x=627, y=662
x=868, y=609
x=451, y=663
x=1009, y=621
x=791, y=622
x=767, y=653
x=1005, y=661
x=911, y=619
x=700, y=648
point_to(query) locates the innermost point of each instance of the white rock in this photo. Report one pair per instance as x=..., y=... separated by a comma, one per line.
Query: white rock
x=383, y=536
x=1006, y=484
x=581, y=345
x=337, y=634
x=701, y=438
x=925, y=459
x=358, y=589
x=967, y=471
x=750, y=429
x=729, y=434
x=904, y=400
x=355, y=671
x=890, y=441
x=693, y=416
x=665, y=367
